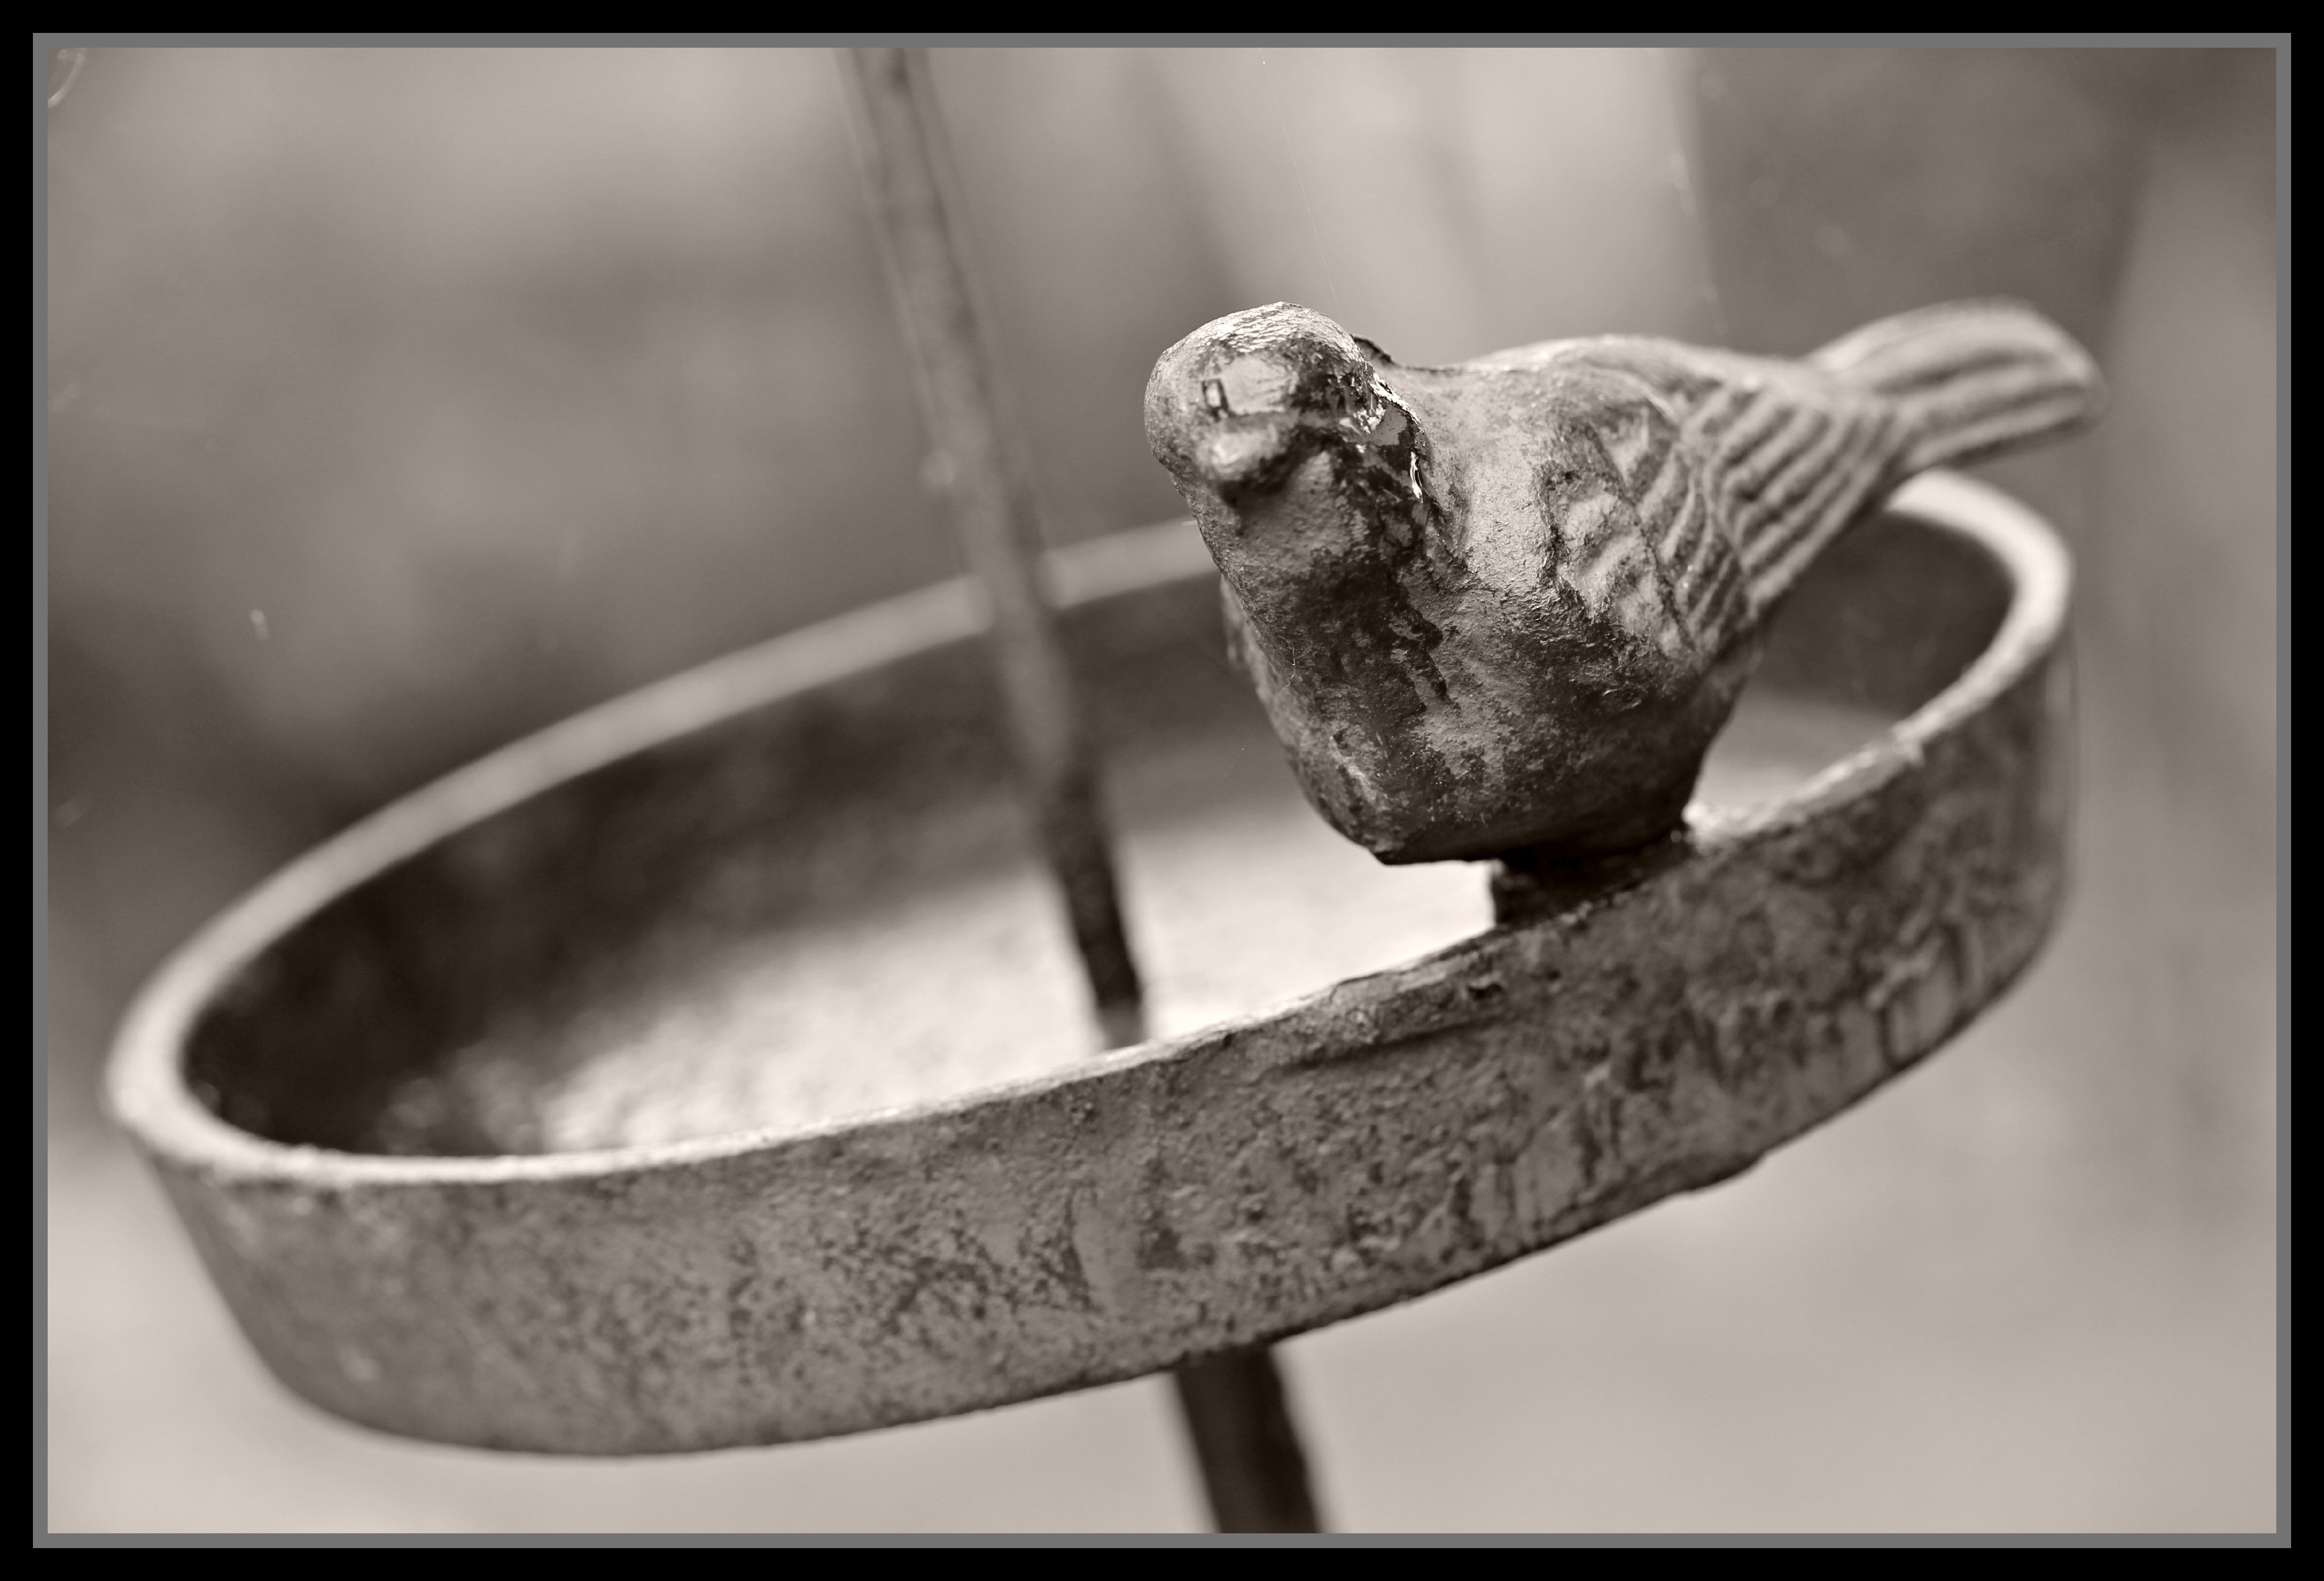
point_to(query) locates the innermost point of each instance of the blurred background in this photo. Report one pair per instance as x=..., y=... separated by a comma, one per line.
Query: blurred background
x=401, y=401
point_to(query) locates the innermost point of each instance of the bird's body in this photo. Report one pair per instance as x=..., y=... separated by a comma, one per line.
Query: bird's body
x=1506, y=605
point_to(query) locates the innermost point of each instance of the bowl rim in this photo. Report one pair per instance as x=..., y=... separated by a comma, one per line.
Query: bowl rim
x=146, y=1092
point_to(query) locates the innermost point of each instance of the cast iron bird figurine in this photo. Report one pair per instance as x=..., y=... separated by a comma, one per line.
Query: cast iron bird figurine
x=1504, y=606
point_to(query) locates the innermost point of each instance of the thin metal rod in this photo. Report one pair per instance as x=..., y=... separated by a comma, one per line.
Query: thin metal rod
x=1236, y=1415
x=1253, y=1469
x=992, y=508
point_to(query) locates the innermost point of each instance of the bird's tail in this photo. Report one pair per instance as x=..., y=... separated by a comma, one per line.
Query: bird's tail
x=1970, y=378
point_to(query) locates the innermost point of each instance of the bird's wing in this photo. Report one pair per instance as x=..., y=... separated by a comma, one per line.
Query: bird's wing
x=1741, y=470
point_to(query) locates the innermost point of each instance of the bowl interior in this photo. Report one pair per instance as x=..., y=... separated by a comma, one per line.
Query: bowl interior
x=828, y=907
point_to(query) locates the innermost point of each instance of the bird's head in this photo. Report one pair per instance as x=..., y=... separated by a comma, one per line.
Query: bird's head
x=1234, y=408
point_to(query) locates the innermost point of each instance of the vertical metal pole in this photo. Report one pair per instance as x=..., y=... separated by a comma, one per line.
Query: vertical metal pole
x=1253, y=1469
x=1236, y=1414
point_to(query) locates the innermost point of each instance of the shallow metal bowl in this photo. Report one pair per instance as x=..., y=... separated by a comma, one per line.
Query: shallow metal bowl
x=486, y=1136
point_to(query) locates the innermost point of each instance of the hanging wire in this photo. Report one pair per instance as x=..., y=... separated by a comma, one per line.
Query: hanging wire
x=1678, y=76
x=1291, y=161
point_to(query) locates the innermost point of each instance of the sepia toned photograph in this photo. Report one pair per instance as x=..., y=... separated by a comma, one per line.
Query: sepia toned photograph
x=980, y=790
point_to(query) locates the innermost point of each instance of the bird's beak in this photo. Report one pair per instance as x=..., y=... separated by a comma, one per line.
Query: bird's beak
x=1242, y=455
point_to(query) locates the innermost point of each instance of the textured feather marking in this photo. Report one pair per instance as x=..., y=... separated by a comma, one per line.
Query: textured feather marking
x=1675, y=515
x=1702, y=568
x=1968, y=379
x=1654, y=485
x=1644, y=611
x=1715, y=605
x=1941, y=445
x=1982, y=404
x=2033, y=411
x=1718, y=412
x=1600, y=549
x=1725, y=611
x=1803, y=528
x=1802, y=428
x=1593, y=526
x=1788, y=507
x=1844, y=491
x=1998, y=389
x=1921, y=372
x=1726, y=471
x=1763, y=422
x=1606, y=579
x=1667, y=522
x=1841, y=446
x=1738, y=479
x=1610, y=549
x=1730, y=422
x=1656, y=498
x=1683, y=542
x=1636, y=444
x=1892, y=355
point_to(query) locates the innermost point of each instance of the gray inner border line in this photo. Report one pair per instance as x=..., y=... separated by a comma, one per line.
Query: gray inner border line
x=2280, y=43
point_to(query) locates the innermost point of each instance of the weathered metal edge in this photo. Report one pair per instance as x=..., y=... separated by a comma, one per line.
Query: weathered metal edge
x=142, y=1090
x=877, y=1301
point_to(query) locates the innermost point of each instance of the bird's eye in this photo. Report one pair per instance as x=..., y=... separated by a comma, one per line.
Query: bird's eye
x=1214, y=397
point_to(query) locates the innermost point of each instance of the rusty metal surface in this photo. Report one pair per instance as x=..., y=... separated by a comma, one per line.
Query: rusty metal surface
x=1509, y=604
x=1607, y=1047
